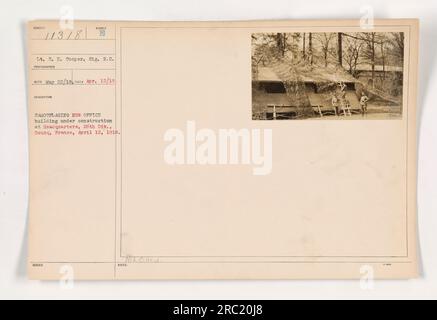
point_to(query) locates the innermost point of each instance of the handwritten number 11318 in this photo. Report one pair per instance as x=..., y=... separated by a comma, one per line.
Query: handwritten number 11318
x=64, y=35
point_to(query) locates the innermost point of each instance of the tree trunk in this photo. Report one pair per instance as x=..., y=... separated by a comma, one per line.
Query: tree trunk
x=280, y=42
x=340, y=49
x=401, y=36
x=372, y=43
x=310, y=47
x=383, y=61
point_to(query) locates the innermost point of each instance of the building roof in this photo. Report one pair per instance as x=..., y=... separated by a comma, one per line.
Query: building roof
x=282, y=71
x=267, y=74
x=379, y=68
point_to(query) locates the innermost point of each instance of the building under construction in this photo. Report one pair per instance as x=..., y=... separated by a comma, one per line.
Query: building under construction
x=286, y=91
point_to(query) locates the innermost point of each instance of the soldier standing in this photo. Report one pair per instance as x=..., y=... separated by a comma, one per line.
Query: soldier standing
x=363, y=103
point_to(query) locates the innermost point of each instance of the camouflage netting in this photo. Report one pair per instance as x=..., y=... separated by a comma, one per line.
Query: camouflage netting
x=326, y=79
x=294, y=86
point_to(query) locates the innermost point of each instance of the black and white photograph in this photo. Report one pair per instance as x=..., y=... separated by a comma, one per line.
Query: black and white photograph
x=331, y=75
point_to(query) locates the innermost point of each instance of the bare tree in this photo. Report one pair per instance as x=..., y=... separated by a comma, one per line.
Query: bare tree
x=281, y=42
x=383, y=59
x=369, y=52
x=324, y=39
x=397, y=42
x=352, y=54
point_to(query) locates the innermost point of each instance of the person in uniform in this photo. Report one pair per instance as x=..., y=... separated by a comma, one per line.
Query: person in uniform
x=334, y=102
x=363, y=103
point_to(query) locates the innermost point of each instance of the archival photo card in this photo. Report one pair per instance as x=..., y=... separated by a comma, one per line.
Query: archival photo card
x=149, y=158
